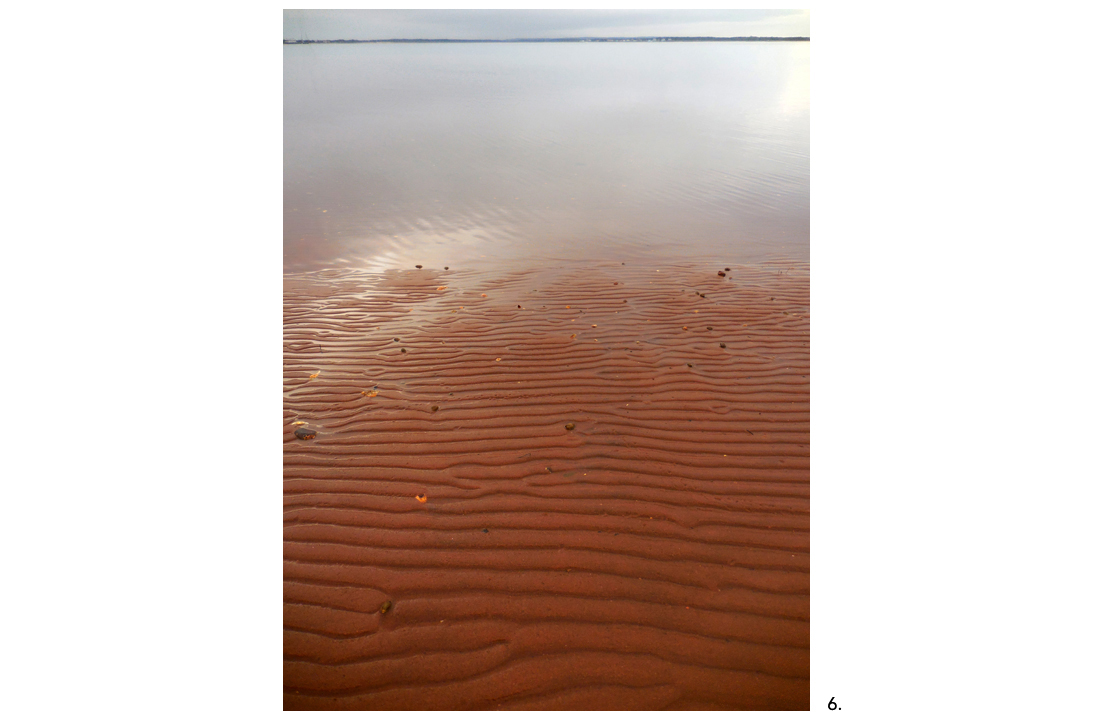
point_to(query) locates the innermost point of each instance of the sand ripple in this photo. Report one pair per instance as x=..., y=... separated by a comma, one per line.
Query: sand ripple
x=656, y=556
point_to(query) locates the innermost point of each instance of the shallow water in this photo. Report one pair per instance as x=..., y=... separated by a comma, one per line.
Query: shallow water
x=477, y=154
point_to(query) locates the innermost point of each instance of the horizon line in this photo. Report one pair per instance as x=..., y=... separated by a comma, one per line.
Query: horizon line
x=591, y=38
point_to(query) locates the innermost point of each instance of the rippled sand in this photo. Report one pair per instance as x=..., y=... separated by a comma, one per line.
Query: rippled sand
x=654, y=556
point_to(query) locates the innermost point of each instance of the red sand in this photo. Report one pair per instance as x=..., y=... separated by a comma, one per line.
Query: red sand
x=656, y=556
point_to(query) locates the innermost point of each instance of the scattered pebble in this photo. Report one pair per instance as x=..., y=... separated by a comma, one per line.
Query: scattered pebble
x=385, y=607
x=395, y=339
x=445, y=267
x=485, y=530
x=722, y=345
x=435, y=408
x=689, y=364
x=418, y=266
x=305, y=433
x=402, y=349
x=721, y=274
x=709, y=327
x=569, y=426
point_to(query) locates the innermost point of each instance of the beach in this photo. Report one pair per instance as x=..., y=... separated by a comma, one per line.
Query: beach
x=559, y=486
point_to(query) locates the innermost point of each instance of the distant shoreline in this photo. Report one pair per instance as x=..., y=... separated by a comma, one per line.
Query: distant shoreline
x=560, y=40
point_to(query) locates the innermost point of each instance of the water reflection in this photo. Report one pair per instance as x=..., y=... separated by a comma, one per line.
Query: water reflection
x=433, y=152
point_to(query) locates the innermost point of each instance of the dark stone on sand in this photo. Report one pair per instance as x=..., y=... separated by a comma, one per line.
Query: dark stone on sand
x=418, y=266
x=402, y=349
x=569, y=426
x=721, y=274
x=722, y=345
x=709, y=327
x=485, y=530
x=304, y=433
x=385, y=607
x=435, y=408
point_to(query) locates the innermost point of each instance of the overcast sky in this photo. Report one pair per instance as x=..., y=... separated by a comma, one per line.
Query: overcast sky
x=508, y=24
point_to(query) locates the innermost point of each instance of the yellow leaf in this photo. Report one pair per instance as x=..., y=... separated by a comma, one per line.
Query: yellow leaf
x=420, y=498
x=443, y=287
x=314, y=376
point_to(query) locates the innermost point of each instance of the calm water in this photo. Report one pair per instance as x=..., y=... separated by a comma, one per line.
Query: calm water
x=404, y=154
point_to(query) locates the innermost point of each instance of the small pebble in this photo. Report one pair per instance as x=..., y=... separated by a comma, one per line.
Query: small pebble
x=569, y=426
x=689, y=364
x=721, y=274
x=402, y=350
x=385, y=607
x=709, y=327
x=305, y=433
x=435, y=408
x=445, y=267
x=721, y=345
x=418, y=266
x=485, y=530
x=395, y=339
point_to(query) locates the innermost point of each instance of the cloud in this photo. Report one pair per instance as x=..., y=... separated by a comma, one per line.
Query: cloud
x=507, y=24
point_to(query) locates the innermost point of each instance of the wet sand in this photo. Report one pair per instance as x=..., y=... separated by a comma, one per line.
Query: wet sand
x=654, y=556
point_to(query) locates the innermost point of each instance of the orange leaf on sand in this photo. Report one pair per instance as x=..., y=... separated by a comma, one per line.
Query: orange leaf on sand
x=314, y=376
x=484, y=294
x=420, y=498
x=443, y=287
x=370, y=393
